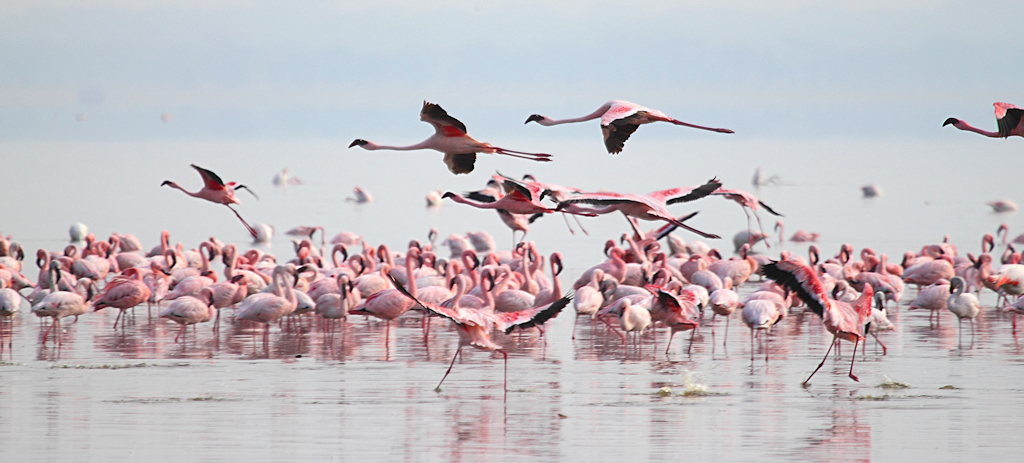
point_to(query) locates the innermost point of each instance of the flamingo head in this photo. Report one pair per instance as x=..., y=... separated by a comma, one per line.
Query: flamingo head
x=951, y=120
x=358, y=142
x=535, y=118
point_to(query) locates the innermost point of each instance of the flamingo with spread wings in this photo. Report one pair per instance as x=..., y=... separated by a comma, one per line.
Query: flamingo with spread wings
x=216, y=191
x=451, y=138
x=647, y=207
x=845, y=320
x=475, y=326
x=619, y=119
x=1010, y=119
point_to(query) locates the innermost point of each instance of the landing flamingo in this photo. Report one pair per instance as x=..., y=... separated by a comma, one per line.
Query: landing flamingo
x=216, y=191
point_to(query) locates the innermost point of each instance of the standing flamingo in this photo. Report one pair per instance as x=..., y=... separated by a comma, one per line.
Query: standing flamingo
x=188, y=310
x=475, y=326
x=1008, y=117
x=216, y=191
x=619, y=119
x=962, y=305
x=123, y=292
x=844, y=320
x=451, y=138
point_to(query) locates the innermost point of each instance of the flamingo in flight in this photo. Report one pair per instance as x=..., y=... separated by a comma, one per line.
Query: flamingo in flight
x=844, y=320
x=647, y=207
x=475, y=326
x=619, y=119
x=750, y=204
x=519, y=198
x=216, y=191
x=451, y=138
x=1008, y=117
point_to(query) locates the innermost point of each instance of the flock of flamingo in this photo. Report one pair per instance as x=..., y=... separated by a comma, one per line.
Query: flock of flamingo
x=482, y=290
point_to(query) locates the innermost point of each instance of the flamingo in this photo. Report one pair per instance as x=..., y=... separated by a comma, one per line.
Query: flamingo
x=519, y=198
x=843, y=319
x=188, y=310
x=268, y=307
x=60, y=304
x=123, y=292
x=619, y=119
x=216, y=191
x=1002, y=205
x=475, y=326
x=750, y=205
x=451, y=138
x=1008, y=118
x=761, y=315
x=647, y=207
x=962, y=305
x=359, y=196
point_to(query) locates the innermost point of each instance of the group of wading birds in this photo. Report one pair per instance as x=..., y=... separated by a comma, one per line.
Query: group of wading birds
x=507, y=290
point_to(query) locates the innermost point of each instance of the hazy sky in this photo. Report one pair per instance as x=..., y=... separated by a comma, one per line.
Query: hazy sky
x=253, y=69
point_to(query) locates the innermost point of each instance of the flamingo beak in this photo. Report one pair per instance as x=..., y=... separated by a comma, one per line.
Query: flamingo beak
x=357, y=142
x=533, y=118
x=951, y=120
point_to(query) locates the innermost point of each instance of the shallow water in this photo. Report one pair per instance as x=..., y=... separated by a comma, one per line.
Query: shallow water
x=137, y=394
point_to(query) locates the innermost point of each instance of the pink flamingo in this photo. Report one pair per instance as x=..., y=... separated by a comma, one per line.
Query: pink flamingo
x=475, y=326
x=1008, y=118
x=451, y=138
x=750, y=205
x=60, y=304
x=647, y=207
x=188, y=310
x=269, y=307
x=519, y=198
x=676, y=311
x=216, y=191
x=619, y=119
x=844, y=320
x=123, y=292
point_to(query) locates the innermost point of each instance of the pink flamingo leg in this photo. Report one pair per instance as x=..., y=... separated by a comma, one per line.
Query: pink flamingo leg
x=853, y=376
x=438, y=388
x=823, y=362
x=252, y=231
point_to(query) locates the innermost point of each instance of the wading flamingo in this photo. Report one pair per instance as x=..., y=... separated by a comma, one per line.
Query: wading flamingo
x=619, y=119
x=475, y=326
x=1008, y=117
x=216, y=191
x=451, y=138
x=845, y=320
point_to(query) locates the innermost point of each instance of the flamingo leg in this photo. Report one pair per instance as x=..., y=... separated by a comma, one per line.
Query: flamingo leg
x=504, y=354
x=689, y=350
x=252, y=231
x=767, y=337
x=574, y=323
x=853, y=376
x=540, y=157
x=671, y=333
x=566, y=218
x=577, y=219
x=117, y=318
x=885, y=350
x=726, y=338
x=438, y=388
x=823, y=362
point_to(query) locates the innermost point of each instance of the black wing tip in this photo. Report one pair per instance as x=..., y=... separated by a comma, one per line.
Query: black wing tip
x=547, y=314
x=769, y=209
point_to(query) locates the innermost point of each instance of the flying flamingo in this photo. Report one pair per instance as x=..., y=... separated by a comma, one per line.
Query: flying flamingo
x=619, y=119
x=750, y=204
x=451, y=138
x=519, y=198
x=1008, y=117
x=216, y=191
x=475, y=326
x=647, y=207
x=844, y=320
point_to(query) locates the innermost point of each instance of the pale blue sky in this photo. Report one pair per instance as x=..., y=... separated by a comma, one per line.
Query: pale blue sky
x=252, y=69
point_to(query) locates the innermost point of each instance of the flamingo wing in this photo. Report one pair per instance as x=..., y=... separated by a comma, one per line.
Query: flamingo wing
x=450, y=314
x=770, y=210
x=800, y=279
x=210, y=179
x=607, y=199
x=443, y=123
x=687, y=194
x=507, y=321
x=461, y=163
x=1008, y=116
x=511, y=186
x=617, y=131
